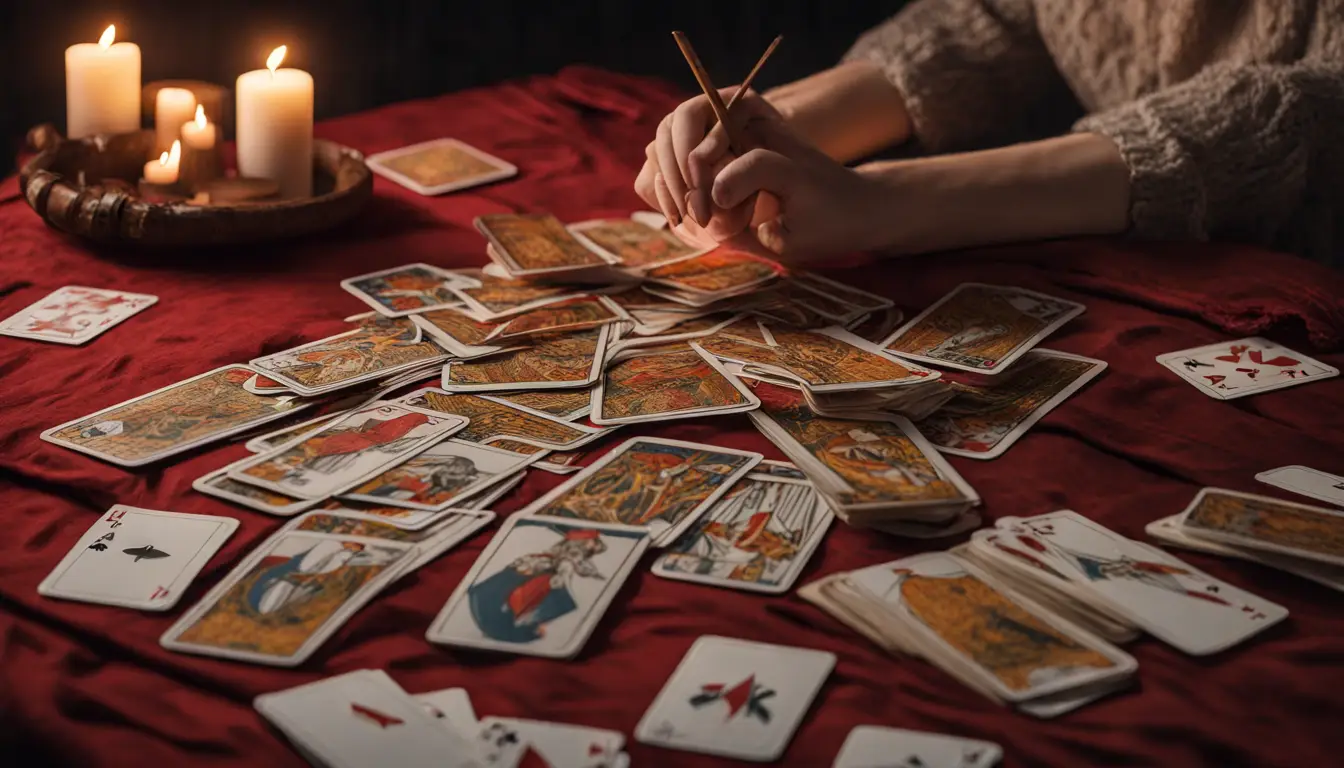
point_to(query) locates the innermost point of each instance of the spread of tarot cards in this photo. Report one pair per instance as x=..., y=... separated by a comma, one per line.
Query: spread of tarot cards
x=376, y=450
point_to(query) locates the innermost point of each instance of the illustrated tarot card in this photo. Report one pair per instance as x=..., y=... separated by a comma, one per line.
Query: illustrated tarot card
x=440, y=476
x=221, y=486
x=1228, y=370
x=530, y=244
x=440, y=166
x=493, y=418
x=723, y=270
x=566, y=405
x=631, y=243
x=569, y=315
x=642, y=385
x=406, y=290
x=561, y=362
x=497, y=298
x=370, y=352
x=1265, y=524
x=74, y=314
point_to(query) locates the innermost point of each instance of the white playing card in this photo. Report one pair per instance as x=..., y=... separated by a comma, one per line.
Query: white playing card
x=453, y=707
x=138, y=558
x=1167, y=597
x=872, y=746
x=1306, y=481
x=735, y=698
x=74, y=314
x=363, y=718
x=1228, y=370
x=558, y=745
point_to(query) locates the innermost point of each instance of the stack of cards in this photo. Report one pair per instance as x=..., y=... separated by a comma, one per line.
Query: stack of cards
x=944, y=609
x=673, y=381
x=1062, y=557
x=724, y=272
x=1295, y=538
x=540, y=247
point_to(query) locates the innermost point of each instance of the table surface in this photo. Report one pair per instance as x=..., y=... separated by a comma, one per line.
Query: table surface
x=90, y=685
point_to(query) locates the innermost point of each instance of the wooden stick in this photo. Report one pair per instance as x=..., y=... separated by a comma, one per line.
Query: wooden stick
x=711, y=93
x=746, y=84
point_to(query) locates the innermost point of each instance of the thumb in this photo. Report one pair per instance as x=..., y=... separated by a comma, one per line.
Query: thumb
x=759, y=170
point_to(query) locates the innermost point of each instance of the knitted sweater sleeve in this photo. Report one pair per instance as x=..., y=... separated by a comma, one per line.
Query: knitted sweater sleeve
x=1238, y=150
x=970, y=70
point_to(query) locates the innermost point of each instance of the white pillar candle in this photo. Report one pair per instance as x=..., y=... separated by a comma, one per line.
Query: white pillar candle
x=102, y=87
x=172, y=108
x=275, y=126
x=164, y=169
x=198, y=133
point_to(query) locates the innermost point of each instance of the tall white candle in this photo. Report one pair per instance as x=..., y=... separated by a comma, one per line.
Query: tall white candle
x=164, y=170
x=102, y=87
x=172, y=108
x=275, y=126
x=199, y=133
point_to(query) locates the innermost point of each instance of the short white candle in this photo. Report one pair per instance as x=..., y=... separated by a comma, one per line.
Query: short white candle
x=275, y=126
x=102, y=87
x=164, y=170
x=199, y=133
x=172, y=108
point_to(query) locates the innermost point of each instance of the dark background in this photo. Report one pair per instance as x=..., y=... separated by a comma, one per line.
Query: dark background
x=363, y=53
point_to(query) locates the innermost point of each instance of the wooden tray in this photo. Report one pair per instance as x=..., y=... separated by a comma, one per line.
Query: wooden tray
x=104, y=210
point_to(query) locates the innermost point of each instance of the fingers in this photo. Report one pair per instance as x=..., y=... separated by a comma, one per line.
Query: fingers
x=760, y=170
x=774, y=234
x=689, y=122
x=644, y=181
x=669, y=168
x=665, y=201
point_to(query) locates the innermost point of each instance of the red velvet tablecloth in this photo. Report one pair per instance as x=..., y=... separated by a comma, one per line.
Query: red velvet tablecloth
x=89, y=685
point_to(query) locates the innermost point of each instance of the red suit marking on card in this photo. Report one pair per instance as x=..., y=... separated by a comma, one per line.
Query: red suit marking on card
x=1282, y=361
x=381, y=719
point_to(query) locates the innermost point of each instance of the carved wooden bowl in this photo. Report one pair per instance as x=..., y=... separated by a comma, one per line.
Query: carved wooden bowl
x=86, y=187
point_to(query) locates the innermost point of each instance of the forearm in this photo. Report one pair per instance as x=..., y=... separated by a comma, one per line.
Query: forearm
x=850, y=111
x=1066, y=186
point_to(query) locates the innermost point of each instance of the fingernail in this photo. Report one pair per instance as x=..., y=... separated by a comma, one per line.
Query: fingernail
x=692, y=210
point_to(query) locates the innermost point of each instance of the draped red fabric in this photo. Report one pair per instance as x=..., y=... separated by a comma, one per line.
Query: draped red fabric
x=89, y=685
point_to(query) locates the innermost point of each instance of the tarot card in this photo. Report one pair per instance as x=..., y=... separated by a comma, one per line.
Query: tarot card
x=556, y=745
x=780, y=470
x=815, y=301
x=532, y=244
x=661, y=485
x=1265, y=524
x=723, y=270
x=287, y=597
x=272, y=440
x=494, y=418
x=221, y=486
x=569, y=315
x=439, y=476
x=683, y=383
x=1306, y=481
x=735, y=698
x=631, y=243
x=981, y=422
x=981, y=328
x=1167, y=597
x=440, y=166
x=566, y=405
x=827, y=360
x=174, y=419
x=563, y=361
x=869, y=746
x=877, y=326
x=1019, y=650
x=1168, y=530
x=260, y=384
x=138, y=558
x=347, y=452
x=74, y=314
x=677, y=328
x=370, y=352
x=540, y=587
x=1229, y=370
x=458, y=332
x=861, y=301
x=757, y=537
x=362, y=719
x=496, y=298
x=405, y=290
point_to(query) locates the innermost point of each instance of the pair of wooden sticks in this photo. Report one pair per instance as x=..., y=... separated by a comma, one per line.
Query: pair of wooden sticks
x=712, y=93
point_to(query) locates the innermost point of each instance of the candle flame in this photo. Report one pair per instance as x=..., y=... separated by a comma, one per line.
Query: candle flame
x=109, y=35
x=277, y=56
x=172, y=156
x=200, y=116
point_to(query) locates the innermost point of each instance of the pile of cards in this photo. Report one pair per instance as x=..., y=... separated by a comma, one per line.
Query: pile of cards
x=1114, y=585
x=300, y=585
x=1296, y=538
x=943, y=608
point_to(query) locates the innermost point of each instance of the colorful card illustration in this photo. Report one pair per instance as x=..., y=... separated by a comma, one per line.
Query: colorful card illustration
x=662, y=485
x=493, y=418
x=440, y=166
x=723, y=270
x=347, y=452
x=981, y=422
x=869, y=746
x=827, y=360
x=631, y=243
x=457, y=332
x=174, y=419
x=1266, y=524
x=376, y=350
x=540, y=587
x=1229, y=370
x=439, y=476
x=283, y=601
x=496, y=298
x=735, y=698
x=1168, y=530
x=1306, y=481
x=221, y=486
x=758, y=537
x=571, y=315
x=981, y=328
x=138, y=558
x=74, y=314
x=405, y=290
x=554, y=362
x=269, y=441
x=643, y=385
x=566, y=405
x=529, y=244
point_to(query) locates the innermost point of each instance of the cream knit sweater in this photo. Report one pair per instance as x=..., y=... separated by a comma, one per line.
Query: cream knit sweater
x=1230, y=113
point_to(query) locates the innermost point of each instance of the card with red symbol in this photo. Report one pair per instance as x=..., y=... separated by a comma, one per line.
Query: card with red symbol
x=363, y=718
x=74, y=314
x=1235, y=369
